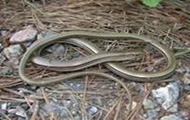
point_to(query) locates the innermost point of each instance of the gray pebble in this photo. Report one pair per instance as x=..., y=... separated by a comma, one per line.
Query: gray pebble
x=166, y=96
x=44, y=35
x=74, y=85
x=92, y=110
x=1, y=47
x=2, y=59
x=58, y=50
x=186, y=87
x=28, y=34
x=151, y=114
x=172, y=117
x=13, y=51
x=6, y=71
x=77, y=117
x=149, y=104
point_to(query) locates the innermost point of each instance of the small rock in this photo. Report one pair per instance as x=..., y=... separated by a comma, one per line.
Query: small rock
x=74, y=85
x=166, y=96
x=13, y=51
x=56, y=108
x=77, y=117
x=172, y=117
x=134, y=104
x=6, y=71
x=76, y=55
x=186, y=88
x=58, y=50
x=185, y=71
x=185, y=102
x=34, y=87
x=92, y=110
x=155, y=22
x=98, y=101
x=13, y=63
x=1, y=47
x=4, y=106
x=67, y=103
x=186, y=78
x=149, y=104
x=2, y=59
x=181, y=70
x=20, y=111
x=73, y=112
x=28, y=34
x=111, y=102
x=185, y=114
x=21, y=118
x=187, y=43
x=4, y=33
x=12, y=111
x=27, y=44
x=45, y=35
x=174, y=108
x=140, y=89
x=151, y=114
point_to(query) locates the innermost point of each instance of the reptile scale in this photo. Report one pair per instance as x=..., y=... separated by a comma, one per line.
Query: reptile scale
x=97, y=56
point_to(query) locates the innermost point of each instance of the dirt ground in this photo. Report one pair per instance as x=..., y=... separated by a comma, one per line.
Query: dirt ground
x=91, y=97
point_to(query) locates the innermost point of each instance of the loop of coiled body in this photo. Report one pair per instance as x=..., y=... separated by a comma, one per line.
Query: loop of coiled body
x=112, y=66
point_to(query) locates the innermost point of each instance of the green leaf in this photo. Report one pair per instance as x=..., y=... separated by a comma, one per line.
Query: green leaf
x=151, y=3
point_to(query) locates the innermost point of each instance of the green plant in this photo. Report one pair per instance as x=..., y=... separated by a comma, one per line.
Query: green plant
x=151, y=3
